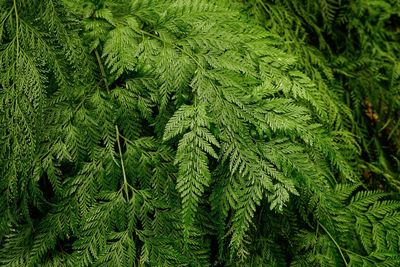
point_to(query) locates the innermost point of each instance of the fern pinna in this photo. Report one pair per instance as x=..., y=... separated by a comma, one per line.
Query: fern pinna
x=173, y=133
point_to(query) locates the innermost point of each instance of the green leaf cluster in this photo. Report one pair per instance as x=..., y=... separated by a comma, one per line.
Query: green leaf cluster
x=181, y=133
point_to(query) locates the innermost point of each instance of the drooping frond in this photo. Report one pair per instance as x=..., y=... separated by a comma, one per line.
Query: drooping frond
x=197, y=133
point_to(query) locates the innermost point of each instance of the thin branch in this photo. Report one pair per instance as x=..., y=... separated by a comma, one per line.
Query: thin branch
x=122, y=165
x=336, y=244
x=260, y=2
x=170, y=44
x=16, y=26
x=101, y=66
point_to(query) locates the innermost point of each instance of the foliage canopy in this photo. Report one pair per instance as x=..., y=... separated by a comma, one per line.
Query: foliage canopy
x=199, y=133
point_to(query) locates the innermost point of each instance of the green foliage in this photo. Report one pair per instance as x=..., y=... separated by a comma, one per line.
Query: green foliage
x=189, y=133
x=352, y=46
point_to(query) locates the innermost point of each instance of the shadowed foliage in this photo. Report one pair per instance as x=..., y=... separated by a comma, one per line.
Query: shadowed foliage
x=199, y=133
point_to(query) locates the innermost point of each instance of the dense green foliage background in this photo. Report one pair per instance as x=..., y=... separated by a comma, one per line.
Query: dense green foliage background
x=199, y=133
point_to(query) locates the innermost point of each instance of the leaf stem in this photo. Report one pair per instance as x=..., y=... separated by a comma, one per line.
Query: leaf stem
x=263, y=5
x=122, y=164
x=16, y=26
x=103, y=73
x=171, y=44
x=336, y=244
